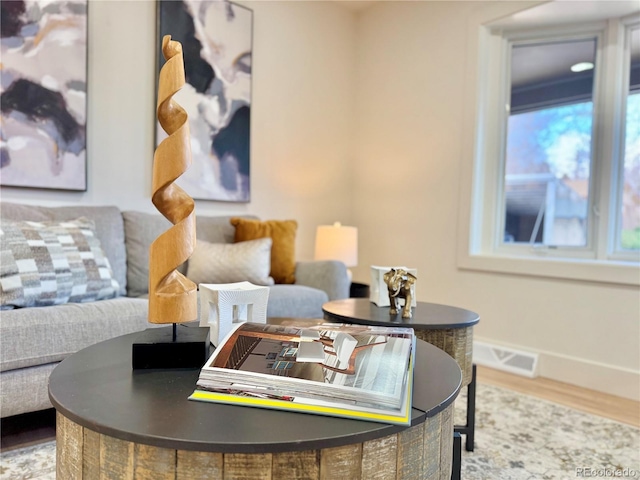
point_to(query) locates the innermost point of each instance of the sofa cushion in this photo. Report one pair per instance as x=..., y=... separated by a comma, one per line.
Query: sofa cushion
x=231, y=262
x=107, y=220
x=330, y=276
x=35, y=336
x=283, y=234
x=295, y=301
x=143, y=228
x=50, y=263
x=25, y=390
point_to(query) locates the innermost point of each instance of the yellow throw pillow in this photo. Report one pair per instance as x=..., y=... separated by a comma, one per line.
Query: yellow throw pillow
x=283, y=234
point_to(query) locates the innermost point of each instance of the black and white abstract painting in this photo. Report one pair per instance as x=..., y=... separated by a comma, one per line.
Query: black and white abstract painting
x=216, y=37
x=43, y=94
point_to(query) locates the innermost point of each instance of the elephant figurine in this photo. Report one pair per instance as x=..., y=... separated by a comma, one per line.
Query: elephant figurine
x=399, y=283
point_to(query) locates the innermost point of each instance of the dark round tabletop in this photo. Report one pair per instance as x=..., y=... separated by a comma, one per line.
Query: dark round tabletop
x=425, y=316
x=97, y=388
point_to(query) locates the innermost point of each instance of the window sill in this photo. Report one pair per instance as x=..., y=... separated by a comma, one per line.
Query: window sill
x=622, y=273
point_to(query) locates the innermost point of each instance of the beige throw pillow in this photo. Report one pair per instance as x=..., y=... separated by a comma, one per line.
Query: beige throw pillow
x=231, y=262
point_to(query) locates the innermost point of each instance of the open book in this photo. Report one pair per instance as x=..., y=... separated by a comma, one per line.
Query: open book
x=353, y=371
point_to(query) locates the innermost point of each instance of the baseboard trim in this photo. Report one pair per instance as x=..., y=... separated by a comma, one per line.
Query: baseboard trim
x=618, y=381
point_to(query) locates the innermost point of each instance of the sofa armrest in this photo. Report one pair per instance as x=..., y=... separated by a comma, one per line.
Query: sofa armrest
x=328, y=275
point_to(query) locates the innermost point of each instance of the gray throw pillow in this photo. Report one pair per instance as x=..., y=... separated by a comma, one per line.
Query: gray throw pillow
x=231, y=262
x=51, y=263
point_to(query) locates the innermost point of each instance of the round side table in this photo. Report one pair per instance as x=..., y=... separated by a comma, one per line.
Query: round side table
x=448, y=328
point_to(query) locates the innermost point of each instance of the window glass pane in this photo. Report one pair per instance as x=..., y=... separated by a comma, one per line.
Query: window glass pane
x=630, y=214
x=548, y=150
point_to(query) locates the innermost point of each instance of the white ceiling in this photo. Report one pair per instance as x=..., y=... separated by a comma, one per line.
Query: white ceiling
x=558, y=11
x=568, y=11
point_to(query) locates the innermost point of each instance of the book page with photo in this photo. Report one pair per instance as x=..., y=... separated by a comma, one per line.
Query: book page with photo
x=365, y=368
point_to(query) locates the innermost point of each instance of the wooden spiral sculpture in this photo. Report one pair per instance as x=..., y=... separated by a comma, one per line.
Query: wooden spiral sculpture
x=172, y=296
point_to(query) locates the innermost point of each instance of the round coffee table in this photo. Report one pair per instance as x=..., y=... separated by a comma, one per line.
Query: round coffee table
x=120, y=423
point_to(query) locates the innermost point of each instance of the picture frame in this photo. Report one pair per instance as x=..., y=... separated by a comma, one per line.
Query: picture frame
x=44, y=95
x=217, y=43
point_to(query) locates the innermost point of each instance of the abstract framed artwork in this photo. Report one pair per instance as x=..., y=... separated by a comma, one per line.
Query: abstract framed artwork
x=216, y=38
x=43, y=96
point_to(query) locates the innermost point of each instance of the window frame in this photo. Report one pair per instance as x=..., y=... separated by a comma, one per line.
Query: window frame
x=479, y=223
x=510, y=40
x=625, y=27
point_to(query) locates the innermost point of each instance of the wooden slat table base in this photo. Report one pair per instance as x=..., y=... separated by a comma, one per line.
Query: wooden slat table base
x=457, y=342
x=422, y=452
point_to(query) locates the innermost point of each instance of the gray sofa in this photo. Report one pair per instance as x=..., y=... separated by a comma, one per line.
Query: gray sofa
x=33, y=340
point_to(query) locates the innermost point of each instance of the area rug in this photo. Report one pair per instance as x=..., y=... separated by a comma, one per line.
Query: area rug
x=517, y=437
x=523, y=437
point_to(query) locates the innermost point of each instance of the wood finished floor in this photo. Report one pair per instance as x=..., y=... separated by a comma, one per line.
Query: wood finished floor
x=597, y=403
x=24, y=430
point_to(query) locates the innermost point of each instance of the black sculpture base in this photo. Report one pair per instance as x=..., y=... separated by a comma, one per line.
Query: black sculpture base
x=176, y=346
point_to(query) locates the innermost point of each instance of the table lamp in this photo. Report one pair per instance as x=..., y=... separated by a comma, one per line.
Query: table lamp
x=337, y=242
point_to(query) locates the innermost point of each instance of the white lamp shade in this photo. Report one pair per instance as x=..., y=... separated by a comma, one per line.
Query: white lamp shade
x=337, y=242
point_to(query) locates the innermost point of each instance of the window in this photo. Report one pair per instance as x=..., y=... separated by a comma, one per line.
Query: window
x=556, y=177
x=548, y=143
x=628, y=226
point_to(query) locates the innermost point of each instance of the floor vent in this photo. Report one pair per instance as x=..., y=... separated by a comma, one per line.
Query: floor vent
x=506, y=359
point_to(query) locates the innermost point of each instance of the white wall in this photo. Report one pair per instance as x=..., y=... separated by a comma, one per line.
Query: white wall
x=414, y=66
x=302, y=109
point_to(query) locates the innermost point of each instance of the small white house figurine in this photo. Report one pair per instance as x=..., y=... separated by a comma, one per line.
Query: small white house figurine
x=223, y=305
